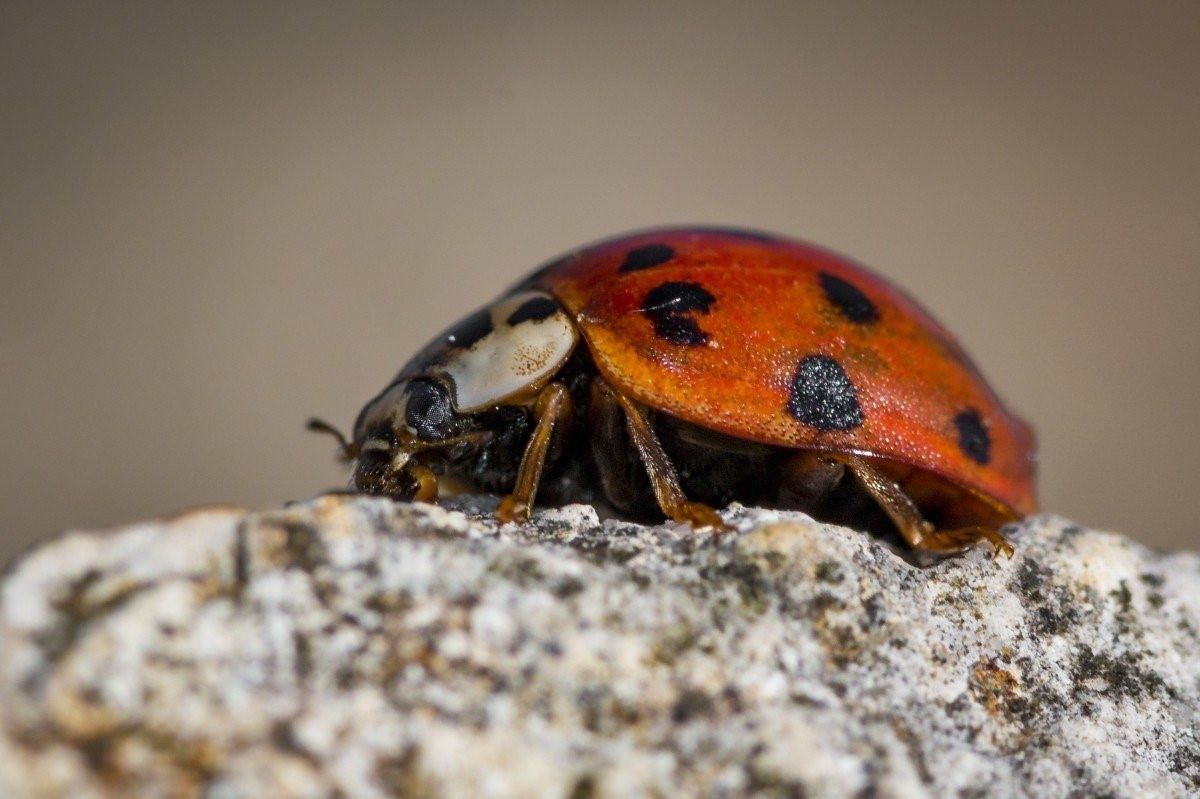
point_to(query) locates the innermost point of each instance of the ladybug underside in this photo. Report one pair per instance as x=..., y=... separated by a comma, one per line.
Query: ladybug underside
x=676, y=370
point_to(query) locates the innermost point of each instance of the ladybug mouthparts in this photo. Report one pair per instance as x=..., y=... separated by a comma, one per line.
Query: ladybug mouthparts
x=382, y=468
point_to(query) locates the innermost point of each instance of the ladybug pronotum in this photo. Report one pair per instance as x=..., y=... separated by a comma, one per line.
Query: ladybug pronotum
x=679, y=369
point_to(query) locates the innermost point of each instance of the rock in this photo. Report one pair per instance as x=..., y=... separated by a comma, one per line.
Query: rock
x=360, y=648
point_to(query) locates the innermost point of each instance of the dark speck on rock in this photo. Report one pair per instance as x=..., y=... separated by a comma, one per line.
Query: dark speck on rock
x=691, y=704
x=1122, y=676
x=1151, y=579
x=830, y=571
x=1032, y=576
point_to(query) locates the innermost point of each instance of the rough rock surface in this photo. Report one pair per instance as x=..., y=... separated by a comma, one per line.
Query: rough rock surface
x=359, y=648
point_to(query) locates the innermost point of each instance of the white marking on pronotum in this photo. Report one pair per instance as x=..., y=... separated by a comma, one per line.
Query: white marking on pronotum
x=510, y=358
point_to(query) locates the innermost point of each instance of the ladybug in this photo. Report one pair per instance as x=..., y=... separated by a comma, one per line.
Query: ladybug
x=678, y=369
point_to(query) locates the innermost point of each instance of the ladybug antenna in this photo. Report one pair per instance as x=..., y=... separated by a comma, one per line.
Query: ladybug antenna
x=347, y=450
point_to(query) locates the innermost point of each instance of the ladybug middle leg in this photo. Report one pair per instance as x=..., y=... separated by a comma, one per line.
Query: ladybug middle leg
x=664, y=480
x=552, y=409
x=918, y=532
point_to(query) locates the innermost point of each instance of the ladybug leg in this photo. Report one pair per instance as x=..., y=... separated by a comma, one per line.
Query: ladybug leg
x=553, y=407
x=663, y=478
x=918, y=532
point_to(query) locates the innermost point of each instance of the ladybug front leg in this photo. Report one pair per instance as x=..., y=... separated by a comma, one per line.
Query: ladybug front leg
x=918, y=532
x=553, y=407
x=663, y=479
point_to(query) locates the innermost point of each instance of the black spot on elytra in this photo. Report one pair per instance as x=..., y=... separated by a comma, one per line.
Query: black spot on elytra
x=677, y=297
x=822, y=396
x=646, y=257
x=470, y=330
x=973, y=438
x=848, y=299
x=533, y=309
x=681, y=330
x=669, y=306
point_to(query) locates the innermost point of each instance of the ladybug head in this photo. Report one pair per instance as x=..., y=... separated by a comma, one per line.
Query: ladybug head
x=451, y=399
x=403, y=440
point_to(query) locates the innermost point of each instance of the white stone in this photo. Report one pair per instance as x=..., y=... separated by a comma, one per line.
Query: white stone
x=361, y=647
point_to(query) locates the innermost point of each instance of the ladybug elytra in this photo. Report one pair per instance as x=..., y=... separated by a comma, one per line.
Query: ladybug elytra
x=674, y=370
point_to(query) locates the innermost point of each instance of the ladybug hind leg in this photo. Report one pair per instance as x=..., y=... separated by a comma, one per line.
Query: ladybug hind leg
x=918, y=532
x=552, y=409
x=664, y=480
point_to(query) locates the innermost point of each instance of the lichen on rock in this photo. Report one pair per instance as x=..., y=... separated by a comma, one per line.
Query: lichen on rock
x=357, y=647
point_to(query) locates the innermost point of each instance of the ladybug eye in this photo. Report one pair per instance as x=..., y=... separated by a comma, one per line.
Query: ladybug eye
x=428, y=411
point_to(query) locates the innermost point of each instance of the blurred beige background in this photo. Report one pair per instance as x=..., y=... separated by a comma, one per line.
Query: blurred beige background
x=217, y=221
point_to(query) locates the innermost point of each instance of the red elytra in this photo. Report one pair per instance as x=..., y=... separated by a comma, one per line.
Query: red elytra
x=925, y=416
